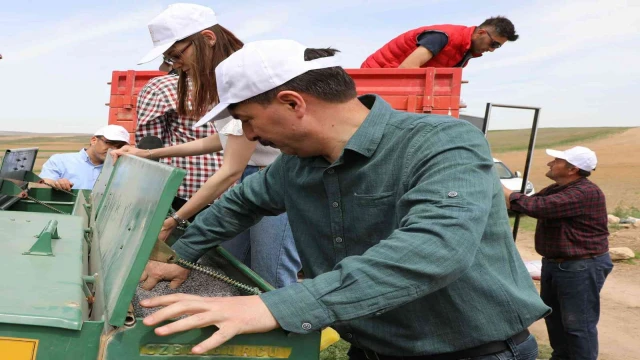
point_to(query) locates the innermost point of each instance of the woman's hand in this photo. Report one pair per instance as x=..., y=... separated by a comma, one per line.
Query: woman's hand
x=130, y=150
x=167, y=229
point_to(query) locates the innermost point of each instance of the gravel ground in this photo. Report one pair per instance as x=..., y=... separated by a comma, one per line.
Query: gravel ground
x=198, y=283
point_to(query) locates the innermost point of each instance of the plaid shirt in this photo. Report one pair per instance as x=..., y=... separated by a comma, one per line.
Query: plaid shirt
x=157, y=116
x=572, y=219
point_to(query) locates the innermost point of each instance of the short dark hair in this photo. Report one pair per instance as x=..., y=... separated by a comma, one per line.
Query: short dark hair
x=503, y=26
x=582, y=173
x=332, y=84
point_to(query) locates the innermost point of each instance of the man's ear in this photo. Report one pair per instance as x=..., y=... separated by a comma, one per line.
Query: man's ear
x=93, y=141
x=293, y=100
x=573, y=170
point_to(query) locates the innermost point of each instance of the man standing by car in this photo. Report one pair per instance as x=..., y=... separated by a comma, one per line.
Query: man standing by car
x=443, y=45
x=572, y=237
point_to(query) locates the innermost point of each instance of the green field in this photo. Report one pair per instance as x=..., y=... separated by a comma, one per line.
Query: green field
x=31, y=141
x=518, y=140
x=47, y=145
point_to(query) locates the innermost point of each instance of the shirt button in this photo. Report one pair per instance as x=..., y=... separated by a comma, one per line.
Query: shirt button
x=452, y=194
x=306, y=326
x=348, y=335
x=338, y=239
x=335, y=204
x=331, y=171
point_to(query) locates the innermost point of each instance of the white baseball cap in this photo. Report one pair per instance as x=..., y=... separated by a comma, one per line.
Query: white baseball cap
x=178, y=22
x=113, y=133
x=259, y=67
x=579, y=156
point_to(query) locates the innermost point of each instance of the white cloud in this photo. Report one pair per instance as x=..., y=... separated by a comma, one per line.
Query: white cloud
x=263, y=23
x=568, y=29
x=76, y=29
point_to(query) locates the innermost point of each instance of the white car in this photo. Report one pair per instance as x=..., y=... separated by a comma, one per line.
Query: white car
x=510, y=180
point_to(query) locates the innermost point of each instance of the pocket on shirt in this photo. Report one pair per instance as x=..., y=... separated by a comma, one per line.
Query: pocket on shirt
x=374, y=215
x=374, y=200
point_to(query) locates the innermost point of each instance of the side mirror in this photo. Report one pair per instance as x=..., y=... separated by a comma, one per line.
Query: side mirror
x=518, y=174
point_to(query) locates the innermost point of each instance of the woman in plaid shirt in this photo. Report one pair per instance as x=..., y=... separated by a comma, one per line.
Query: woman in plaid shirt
x=194, y=44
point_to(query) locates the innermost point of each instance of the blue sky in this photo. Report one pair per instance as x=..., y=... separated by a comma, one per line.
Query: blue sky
x=575, y=59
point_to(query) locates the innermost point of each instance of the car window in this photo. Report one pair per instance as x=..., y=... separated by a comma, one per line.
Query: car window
x=503, y=171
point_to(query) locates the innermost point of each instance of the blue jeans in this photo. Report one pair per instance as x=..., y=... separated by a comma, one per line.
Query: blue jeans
x=526, y=350
x=267, y=247
x=572, y=290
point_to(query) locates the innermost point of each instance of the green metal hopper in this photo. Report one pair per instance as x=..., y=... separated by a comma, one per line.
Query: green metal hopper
x=70, y=278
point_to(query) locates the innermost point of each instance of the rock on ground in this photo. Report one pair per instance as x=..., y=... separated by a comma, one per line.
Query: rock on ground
x=621, y=253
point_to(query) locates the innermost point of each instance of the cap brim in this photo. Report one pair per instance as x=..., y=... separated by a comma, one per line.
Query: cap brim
x=556, y=154
x=219, y=112
x=155, y=52
x=116, y=139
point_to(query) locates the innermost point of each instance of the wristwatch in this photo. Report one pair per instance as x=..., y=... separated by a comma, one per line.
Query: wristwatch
x=181, y=222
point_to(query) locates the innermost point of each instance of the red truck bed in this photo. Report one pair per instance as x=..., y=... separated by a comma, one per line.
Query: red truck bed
x=428, y=90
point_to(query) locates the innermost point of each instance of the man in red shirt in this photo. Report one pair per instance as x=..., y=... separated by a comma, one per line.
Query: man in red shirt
x=442, y=45
x=572, y=236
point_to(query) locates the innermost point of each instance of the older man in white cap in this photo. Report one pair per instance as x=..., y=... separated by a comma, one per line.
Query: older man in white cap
x=404, y=255
x=81, y=169
x=572, y=237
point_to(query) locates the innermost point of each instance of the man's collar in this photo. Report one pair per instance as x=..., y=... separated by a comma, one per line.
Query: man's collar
x=578, y=180
x=366, y=139
x=84, y=155
x=86, y=158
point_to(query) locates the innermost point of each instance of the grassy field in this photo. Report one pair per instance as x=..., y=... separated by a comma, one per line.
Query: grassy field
x=500, y=140
x=47, y=145
x=517, y=140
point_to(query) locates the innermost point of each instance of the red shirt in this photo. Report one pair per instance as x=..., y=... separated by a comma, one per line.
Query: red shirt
x=572, y=219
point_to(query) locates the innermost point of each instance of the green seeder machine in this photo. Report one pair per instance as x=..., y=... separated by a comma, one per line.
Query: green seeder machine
x=72, y=262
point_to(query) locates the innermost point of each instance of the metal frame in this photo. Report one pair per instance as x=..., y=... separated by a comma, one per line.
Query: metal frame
x=11, y=158
x=532, y=143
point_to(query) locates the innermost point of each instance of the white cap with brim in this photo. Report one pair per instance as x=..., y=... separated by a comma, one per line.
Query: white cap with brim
x=113, y=133
x=581, y=157
x=259, y=67
x=176, y=23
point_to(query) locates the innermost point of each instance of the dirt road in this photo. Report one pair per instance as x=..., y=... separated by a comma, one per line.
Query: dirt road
x=619, y=327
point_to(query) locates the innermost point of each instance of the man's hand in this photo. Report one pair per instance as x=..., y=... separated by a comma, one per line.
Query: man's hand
x=60, y=184
x=167, y=228
x=156, y=271
x=131, y=150
x=232, y=315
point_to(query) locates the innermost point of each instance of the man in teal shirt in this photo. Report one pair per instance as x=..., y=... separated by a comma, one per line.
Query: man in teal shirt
x=399, y=220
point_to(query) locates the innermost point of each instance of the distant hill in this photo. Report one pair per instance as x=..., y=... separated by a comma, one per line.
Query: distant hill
x=23, y=133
